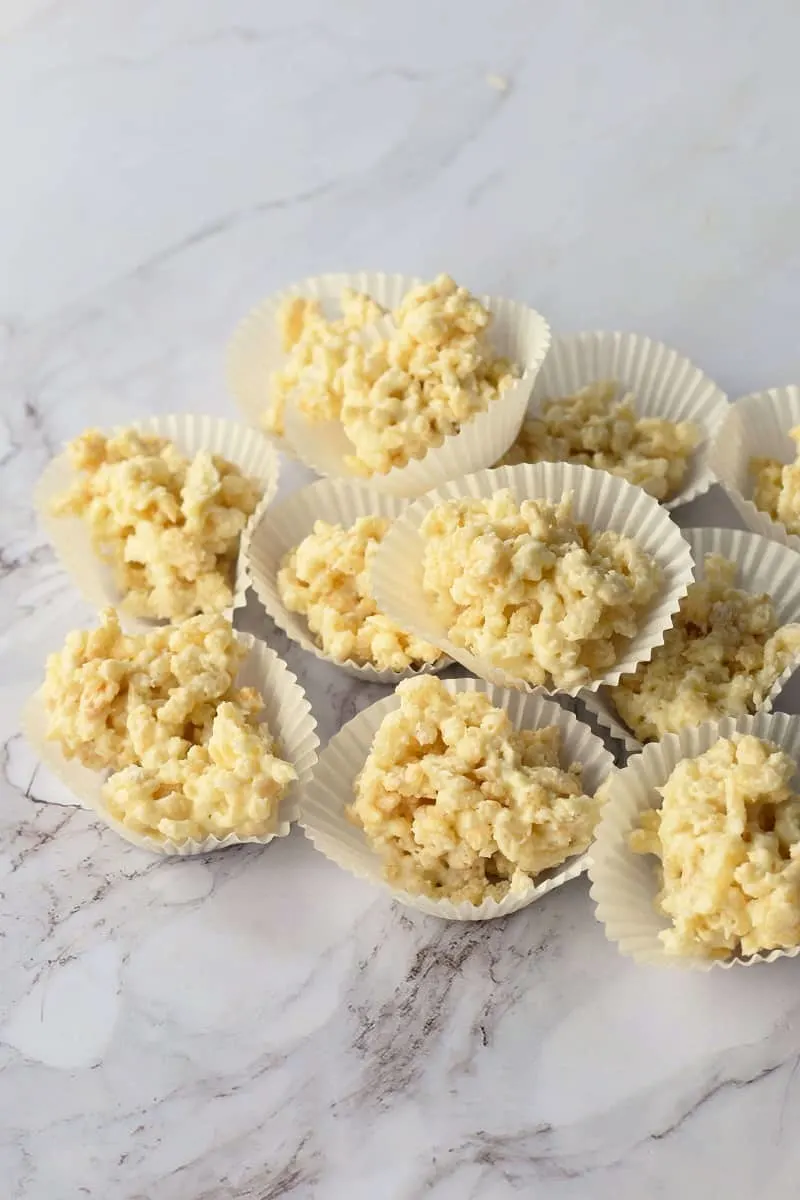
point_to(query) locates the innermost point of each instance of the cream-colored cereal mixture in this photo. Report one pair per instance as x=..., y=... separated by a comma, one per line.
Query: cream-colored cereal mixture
x=168, y=526
x=598, y=427
x=461, y=806
x=316, y=349
x=532, y=591
x=728, y=837
x=326, y=578
x=409, y=390
x=721, y=657
x=160, y=711
x=776, y=488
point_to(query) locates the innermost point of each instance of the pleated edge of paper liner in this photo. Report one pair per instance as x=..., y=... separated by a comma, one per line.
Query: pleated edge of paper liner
x=351, y=502
x=357, y=742
x=96, y=585
x=518, y=479
x=277, y=681
x=644, y=947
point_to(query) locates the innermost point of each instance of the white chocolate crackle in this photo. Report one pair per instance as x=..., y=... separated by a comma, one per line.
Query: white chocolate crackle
x=168, y=526
x=727, y=834
x=598, y=427
x=460, y=805
x=409, y=390
x=160, y=711
x=532, y=591
x=326, y=579
x=316, y=349
x=721, y=657
x=400, y=392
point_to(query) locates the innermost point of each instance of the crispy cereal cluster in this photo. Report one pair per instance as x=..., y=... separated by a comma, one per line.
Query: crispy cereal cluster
x=460, y=805
x=720, y=658
x=401, y=392
x=530, y=590
x=408, y=391
x=326, y=578
x=160, y=711
x=776, y=489
x=168, y=526
x=599, y=428
x=316, y=351
x=728, y=837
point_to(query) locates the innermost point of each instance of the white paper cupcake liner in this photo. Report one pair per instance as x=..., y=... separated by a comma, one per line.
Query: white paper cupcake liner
x=664, y=384
x=518, y=332
x=286, y=712
x=624, y=884
x=283, y=527
x=600, y=500
x=70, y=536
x=762, y=566
x=756, y=426
x=322, y=809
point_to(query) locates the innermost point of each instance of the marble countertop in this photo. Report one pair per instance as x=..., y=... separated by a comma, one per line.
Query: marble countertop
x=257, y=1024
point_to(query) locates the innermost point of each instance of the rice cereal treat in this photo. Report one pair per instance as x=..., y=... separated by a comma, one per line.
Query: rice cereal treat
x=776, y=489
x=316, y=349
x=727, y=834
x=460, y=805
x=326, y=579
x=598, y=427
x=168, y=526
x=186, y=756
x=721, y=658
x=532, y=591
x=408, y=391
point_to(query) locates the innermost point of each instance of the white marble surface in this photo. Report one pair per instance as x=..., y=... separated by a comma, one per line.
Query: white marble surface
x=258, y=1025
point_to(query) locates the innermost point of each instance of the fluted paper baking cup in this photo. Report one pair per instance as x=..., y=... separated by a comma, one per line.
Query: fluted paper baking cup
x=756, y=426
x=600, y=500
x=286, y=712
x=624, y=884
x=283, y=527
x=664, y=384
x=70, y=536
x=322, y=808
x=255, y=351
x=762, y=566
x=518, y=332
